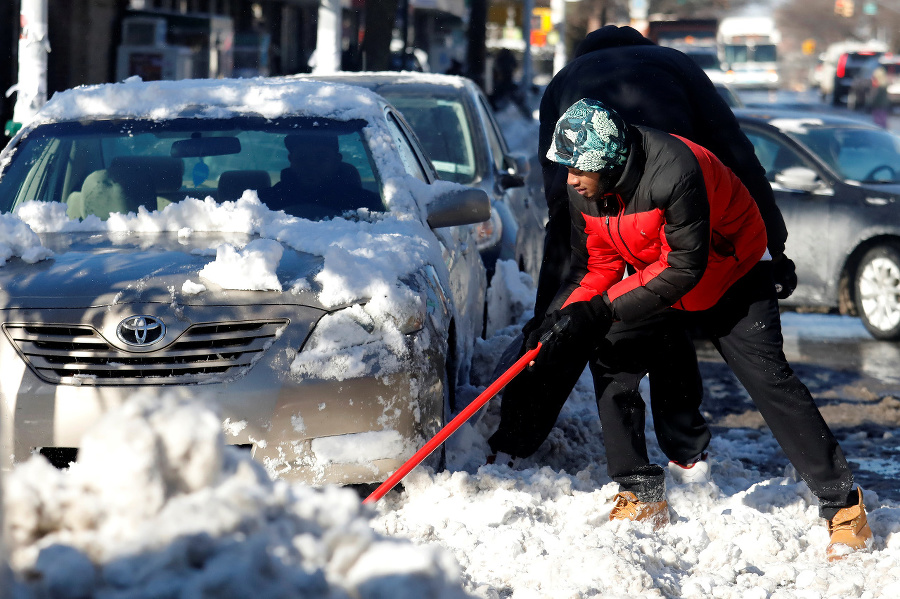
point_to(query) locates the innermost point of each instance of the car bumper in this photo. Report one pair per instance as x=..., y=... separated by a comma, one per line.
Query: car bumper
x=317, y=431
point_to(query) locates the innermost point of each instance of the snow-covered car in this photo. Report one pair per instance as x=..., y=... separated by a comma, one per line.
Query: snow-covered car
x=137, y=257
x=837, y=183
x=457, y=126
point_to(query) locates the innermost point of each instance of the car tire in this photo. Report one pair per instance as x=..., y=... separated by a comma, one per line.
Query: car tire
x=877, y=291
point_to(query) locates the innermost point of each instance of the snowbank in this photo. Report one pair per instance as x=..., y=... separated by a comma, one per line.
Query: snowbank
x=158, y=506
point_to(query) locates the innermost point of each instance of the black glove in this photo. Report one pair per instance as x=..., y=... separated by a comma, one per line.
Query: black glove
x=583, y=326
x=785, y=275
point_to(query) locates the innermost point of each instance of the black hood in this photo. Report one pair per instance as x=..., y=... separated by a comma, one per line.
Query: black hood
x=611, y=36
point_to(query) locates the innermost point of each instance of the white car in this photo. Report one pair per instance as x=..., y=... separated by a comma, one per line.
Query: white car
x=456, y=124
x=328, y=323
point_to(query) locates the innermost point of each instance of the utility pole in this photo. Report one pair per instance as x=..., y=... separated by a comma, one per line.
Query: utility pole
x=476, y=55
x=328, y=37
x=558, y=16
x=31, y=88
x=527, y=68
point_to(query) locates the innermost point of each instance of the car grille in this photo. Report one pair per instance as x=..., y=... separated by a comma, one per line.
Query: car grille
x=79, y=355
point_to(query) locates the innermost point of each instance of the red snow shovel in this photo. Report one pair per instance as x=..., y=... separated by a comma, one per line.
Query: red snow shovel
x=443, y=434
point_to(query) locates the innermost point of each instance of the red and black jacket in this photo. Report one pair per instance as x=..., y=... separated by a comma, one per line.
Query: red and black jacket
x=680, y=218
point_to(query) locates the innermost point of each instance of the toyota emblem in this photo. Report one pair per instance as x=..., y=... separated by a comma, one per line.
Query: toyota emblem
x=141, y=330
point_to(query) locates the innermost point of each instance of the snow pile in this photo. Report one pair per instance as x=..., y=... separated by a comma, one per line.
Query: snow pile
x=510, y=297
x=18, y=239
x=158, y=506
x=347, y=246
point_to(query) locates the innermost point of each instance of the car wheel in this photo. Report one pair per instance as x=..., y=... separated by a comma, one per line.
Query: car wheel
x=878, y=292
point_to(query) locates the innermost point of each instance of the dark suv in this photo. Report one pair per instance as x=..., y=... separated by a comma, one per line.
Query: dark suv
x=849, y=64
x=862, y=86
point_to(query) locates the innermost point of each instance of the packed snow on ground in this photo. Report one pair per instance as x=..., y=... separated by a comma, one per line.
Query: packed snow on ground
x=158, y=506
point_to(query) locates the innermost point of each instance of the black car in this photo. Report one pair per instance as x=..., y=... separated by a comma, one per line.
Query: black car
x=848, y=66
x=837, y=182
x=864, y=83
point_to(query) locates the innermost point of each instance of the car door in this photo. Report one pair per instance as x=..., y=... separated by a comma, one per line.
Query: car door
x=466, y=270
x=807, y=215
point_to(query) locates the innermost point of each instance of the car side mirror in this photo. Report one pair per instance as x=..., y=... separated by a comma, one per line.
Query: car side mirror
x=508, y=180
x=516, y=168
x=519, y=164
x=799, y=178
x=460, y=205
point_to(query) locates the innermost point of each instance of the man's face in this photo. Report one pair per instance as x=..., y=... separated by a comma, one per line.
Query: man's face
x=589, y=184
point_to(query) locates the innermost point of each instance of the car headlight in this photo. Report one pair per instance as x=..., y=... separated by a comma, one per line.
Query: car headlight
x=488, y=233
x=363, y=340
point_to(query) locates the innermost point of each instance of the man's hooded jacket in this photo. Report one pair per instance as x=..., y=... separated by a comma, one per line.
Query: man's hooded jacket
x=683, y=221
x=648, y=85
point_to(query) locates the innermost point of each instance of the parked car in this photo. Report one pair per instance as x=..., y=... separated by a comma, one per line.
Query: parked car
x=837, y=182
x=864, y=84
x=830, y=61
x=848, y=66
x=457, y=126
x=332, y=364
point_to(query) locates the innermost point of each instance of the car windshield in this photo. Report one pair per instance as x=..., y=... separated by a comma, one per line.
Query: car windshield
x=441, y=126
x=315, y=168
x=855, y=153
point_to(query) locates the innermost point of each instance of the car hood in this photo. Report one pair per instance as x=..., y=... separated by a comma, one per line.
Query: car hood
x=96, y=269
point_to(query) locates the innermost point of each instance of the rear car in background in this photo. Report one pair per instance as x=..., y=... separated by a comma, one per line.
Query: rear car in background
x=329, y=330
x=458, y=129
x=864, y=84
x=849, y=64
x=837, y=183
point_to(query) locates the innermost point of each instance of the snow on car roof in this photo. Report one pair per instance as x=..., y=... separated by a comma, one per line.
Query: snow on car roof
x=211, y=98
x=393, y=76
x=796, y=125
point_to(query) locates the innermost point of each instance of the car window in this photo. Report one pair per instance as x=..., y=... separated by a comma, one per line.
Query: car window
x=106, y=167
x=495, y=139
x=774, y=155
x=442, y=127
x=856, y=153
x=407, y=154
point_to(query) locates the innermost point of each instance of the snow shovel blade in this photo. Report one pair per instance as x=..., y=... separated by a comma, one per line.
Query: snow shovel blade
x=443, y=434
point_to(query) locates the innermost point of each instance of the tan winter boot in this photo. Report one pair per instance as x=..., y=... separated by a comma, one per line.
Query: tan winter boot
x=629, y=508
x=849, y=531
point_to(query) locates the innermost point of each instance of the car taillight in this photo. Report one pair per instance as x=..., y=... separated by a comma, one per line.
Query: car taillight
x=841, y=66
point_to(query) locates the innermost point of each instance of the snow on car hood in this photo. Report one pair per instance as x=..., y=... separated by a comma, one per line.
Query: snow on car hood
x=194, y=247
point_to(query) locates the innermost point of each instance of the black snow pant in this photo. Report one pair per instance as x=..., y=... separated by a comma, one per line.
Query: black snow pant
x=533, y=400
x=745, y=327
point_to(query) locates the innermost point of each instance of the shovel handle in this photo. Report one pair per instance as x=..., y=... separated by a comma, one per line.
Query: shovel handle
x=463, y=416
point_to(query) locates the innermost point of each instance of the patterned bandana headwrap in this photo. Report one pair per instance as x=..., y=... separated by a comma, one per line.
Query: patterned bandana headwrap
x=590, y=137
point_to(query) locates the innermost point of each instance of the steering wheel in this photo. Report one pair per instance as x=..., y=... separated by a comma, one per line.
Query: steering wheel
x=883, y=167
